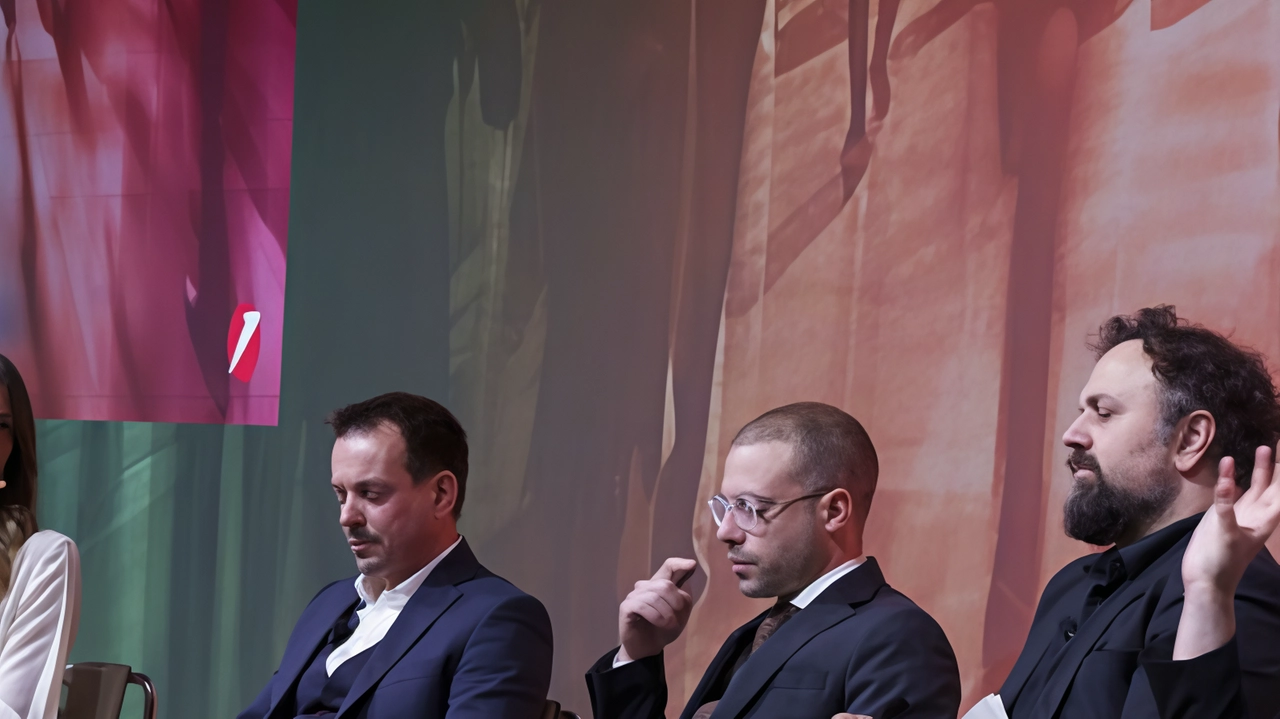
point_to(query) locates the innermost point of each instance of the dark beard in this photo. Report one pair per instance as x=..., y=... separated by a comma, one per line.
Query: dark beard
x=1101, y=512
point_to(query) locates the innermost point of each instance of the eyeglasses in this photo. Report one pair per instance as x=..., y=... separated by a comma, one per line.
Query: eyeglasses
x=748, y=514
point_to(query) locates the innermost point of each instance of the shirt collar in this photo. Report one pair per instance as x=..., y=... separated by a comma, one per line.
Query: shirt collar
x=1139, y=555
x=811, y=592
x=396, y=597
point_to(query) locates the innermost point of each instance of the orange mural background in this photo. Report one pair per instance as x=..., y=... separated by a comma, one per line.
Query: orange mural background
x=670, y=216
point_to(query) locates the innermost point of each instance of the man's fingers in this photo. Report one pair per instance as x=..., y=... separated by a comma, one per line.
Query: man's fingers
x=1224, y=494
x=1263, y=469
x=667, y=615
x=636, y=607
x=655, y=600
x=1272, y=492
x=1225, y=489
x=1227, y=469
x=674, y=568
x=674, y=595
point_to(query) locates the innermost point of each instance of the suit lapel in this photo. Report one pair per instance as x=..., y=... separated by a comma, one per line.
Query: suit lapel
x=311, y=636
x=836, y=604
x=1040, y=636
x=727, y=654
x=754, y=676
x=437, y=593
x=1084, y=641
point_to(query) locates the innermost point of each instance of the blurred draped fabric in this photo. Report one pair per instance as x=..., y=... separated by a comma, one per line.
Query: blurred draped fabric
x=917, y=211
x=201, y=543
x=144, y=192
x=609, y=234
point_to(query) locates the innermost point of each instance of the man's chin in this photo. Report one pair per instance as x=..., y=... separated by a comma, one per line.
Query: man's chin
x=752, y=587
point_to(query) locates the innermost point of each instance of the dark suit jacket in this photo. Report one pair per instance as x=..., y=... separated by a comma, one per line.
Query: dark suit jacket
x=467, y=645
x=1206, y=687
x=1102, y=672
x=859, y=647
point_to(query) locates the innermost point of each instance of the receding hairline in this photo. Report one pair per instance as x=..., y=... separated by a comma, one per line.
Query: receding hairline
x=804, y=426
x=364, y=429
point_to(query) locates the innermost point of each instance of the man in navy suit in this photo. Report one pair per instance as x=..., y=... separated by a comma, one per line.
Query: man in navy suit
x=424, y=630
x=797, y=488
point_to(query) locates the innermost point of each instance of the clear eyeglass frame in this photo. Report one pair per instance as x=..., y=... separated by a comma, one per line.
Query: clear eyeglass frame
x=748, y=514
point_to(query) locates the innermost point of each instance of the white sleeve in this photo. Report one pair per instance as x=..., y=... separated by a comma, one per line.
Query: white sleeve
x=38, y=621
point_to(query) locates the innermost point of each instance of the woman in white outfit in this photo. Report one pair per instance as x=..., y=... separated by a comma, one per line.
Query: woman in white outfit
x=39, y=571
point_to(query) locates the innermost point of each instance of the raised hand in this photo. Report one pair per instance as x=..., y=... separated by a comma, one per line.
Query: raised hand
x=655, y=612
x=1228, y=537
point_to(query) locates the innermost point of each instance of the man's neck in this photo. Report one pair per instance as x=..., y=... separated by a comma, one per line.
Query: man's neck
x=1192, y=500
x=395, y=580
x=837, y=560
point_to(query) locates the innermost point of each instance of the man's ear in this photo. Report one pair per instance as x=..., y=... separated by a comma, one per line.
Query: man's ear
x=446, y=493
x=837, y=509
x=1194, y=436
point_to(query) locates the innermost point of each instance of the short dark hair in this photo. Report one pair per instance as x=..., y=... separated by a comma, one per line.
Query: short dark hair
x=434, y=439
x=1199, y=369
x=830, y=449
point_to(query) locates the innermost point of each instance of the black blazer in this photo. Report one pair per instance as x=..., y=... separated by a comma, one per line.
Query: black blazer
x=1206, y=687
x=467, y=643
x=1103, y=671
x=859, y=647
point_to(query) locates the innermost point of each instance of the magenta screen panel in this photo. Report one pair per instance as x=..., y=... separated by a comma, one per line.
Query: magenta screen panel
x=144, y=195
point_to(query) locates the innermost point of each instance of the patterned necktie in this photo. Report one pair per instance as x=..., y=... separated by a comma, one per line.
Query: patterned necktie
x=777, y=616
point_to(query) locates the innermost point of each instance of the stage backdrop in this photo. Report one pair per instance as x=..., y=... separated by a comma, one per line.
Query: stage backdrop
x=144, y=194
x=916, y=210
x=609, y=234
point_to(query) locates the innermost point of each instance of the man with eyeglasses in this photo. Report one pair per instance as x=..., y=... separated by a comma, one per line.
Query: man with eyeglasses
x=797, y=488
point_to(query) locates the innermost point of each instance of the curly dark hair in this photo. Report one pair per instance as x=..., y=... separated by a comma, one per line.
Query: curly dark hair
x=1199, y=369
x=433, y=437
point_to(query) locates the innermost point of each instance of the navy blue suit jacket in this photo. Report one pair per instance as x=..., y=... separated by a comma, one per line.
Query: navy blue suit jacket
x=859, y=647
x=468, y=645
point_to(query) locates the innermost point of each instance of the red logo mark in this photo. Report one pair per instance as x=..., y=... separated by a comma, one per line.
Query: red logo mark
x=243, y=340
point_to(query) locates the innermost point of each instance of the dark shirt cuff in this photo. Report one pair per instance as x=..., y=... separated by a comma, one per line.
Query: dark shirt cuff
x=1203, y=687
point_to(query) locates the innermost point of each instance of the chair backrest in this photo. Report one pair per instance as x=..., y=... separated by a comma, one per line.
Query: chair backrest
x=95, y=690
x=552, y=710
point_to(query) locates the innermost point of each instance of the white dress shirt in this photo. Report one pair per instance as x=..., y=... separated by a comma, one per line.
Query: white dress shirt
x=381, y=609
x=819, y=585
x=38, y=620
x=810, y=593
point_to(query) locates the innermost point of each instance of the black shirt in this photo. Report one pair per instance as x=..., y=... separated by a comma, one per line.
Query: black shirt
x=1102, y=615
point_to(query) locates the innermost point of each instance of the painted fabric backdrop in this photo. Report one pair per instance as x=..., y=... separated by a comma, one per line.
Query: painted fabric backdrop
x=608, y=234
x=915, y=210
x=144, y=192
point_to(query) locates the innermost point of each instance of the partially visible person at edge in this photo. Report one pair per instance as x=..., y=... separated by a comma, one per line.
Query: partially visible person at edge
x=424, y=630
x=793, y=503
x=39, y=571
x=1167, y=401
